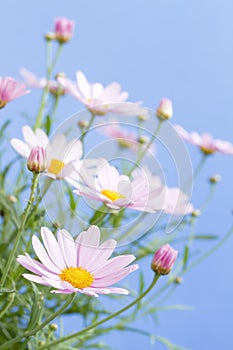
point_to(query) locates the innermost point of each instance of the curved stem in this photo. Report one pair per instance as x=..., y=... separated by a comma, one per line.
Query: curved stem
x=39, y=327
x=10, y=302
x=96, y=324
x=88, y=127
x=21, y=228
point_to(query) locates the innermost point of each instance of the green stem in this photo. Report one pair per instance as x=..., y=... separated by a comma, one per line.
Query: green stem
x=145, y=149
x=11, y=298
x=39, y=327
x=212, y=250
x=96, y=324
x=21, y=228
x=88, y=127
x=50, y=67
x=199, y=166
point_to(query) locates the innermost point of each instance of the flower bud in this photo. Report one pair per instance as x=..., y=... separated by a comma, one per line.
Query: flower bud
x=143, y=140
x=49, y=36
x=37, y=160
x=215, y=179
x=165, y=109
x=178, y=280
x=53, y=326
x=63, y=30
x=12, y=198
x=142, y=117
x=83, y=124
x=195, y=213
x=164, y=259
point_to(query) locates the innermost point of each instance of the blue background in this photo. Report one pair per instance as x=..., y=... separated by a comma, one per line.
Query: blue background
x=179, y=49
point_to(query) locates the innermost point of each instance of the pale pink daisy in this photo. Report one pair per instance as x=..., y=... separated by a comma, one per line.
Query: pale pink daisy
x=33, y=81
x=98, y=99
x=125, y=138
x=164, y=259
x=60, y=154
x=176, y=202
x=80, y=266
x=118, y=191
x=207, y=144
x=11, y=89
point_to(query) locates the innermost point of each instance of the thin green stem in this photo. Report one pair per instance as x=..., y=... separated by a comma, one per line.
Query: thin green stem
x=42, y=325
x=96, y=324
x=21, y=228
x=88, y=127
x=212, y=250
x=11, y=298
x=49, y=67
x=145, y=149
x=200, y=166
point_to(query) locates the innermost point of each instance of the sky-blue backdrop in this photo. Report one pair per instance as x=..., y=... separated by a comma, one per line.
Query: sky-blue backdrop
x=175, y=48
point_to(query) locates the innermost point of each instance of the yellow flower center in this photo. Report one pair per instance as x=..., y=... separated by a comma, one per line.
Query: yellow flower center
x=207, y=150
x=77, y=276
x=124, y=143
x=113, y=195
x=2, y=103
x=56, y=166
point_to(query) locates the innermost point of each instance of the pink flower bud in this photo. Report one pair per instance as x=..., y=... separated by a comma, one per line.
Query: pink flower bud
x=164, y=259
x=37, y=160
x=63, y=30
x=165, y=109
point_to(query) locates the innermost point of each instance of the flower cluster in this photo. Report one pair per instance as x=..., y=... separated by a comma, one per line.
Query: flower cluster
x=127, y=193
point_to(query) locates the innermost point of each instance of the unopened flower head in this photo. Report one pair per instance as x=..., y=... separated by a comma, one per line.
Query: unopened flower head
x=165, y=109
x=10, y=89
x=215, y=179
x=37, y=160
x=80, y=266
x=64, y=28
x=164, y=259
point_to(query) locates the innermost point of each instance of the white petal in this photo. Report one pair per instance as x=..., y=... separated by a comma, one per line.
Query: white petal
x=52, y=248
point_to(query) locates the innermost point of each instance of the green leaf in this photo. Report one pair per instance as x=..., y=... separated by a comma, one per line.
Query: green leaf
x=48, y=124
x=37, y=307
x=73, y=202
x=169, y=344
x=205, y=236
x=6, y=205
x=186, y=256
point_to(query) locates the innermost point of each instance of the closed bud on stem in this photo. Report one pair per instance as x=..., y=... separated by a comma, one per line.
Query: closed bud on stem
x=165, y=109
x=142, y=117
x=178, y=280
x=83, y=124
x=63, y=30
x=215, y=179
x=12, y=198
x=53, y=326
x=195, y=213
x=50, y=36
x=143, y=139
x=37, y=160
x=164, y=259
